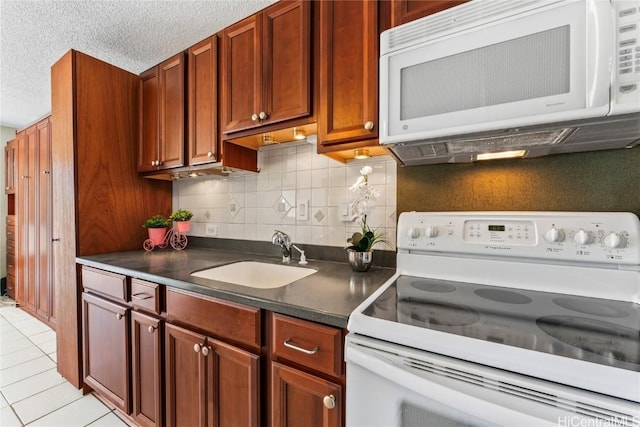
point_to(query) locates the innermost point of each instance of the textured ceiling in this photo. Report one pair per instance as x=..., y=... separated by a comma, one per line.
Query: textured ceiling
x=131, y=34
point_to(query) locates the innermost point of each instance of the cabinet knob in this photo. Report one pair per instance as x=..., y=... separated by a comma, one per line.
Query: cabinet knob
x=118, y=316
x=45, y=172
x=205, y=351
x=151, y=329
x=55, y=239
x=196, y=348
x=368, y=125
x=329, y=401
x=263, y=115
x=209, y=154
x=254, y=117
x=24, y=176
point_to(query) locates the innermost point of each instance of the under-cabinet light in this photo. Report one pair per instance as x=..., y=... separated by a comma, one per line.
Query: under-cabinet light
x=501, y=155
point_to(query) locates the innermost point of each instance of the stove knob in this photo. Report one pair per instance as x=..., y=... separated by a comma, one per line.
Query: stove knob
x=413, y=233
x=431, y=231
x=582, y=237
x=614, y=240
x=554, y=235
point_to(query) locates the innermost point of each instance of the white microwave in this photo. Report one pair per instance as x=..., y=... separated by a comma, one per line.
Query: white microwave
x=458, y=76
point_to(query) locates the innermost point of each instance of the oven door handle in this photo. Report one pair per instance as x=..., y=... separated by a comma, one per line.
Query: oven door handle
x=464, y=397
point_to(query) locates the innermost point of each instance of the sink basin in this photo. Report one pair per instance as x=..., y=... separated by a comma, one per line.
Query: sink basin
x=254, y=274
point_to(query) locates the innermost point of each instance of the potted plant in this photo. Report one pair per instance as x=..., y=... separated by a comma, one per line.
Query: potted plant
x=182, y=218
x=157, y=228
x=362, y=242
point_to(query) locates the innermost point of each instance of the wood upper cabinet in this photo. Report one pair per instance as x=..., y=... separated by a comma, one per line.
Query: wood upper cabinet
x=403, y=11
x=203, y=101
x=107, y=349
x=209, y=383
x=162, y=115
x=265, y=66
x=348, y=115
x=10, y=164
x=146, y=369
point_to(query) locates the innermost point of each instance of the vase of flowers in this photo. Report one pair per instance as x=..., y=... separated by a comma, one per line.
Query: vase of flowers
x=360, y=251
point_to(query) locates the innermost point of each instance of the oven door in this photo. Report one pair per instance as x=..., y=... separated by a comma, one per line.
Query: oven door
x=390, y=385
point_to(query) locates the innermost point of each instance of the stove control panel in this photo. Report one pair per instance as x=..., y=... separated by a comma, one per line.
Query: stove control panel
x=595, y=237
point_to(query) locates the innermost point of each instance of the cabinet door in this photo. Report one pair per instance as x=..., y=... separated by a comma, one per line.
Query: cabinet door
x=241, y=68
x=107, y=349
x=44, y=284
x=29, y=215
x=348, y=73
x=172, y=109
x=185, y=374
x=148, y=139
x=203, y=101
x=298, y=398
x=10, y=159
x=403, y=11
x=287, y=60
x=233, y=385
x=146, y=360
x=21, y=206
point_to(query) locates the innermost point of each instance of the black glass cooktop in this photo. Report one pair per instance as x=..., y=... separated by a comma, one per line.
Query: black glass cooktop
x=594, y=330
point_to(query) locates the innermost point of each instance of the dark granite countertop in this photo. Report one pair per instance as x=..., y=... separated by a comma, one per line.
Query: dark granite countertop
x=328, y=296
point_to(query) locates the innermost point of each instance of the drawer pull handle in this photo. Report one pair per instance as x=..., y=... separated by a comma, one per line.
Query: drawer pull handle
x=329, y=401
x=141, y=295
x=288, y=344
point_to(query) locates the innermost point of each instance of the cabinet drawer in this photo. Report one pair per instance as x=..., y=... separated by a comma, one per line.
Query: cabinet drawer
x=11, y=221
x=315, y=346
x=104, y=282
x=146, y=295
x=233, y=322
x=11, y=233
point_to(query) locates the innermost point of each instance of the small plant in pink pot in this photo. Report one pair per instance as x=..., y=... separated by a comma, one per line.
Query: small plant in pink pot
x=157, y=227
x=182, y=219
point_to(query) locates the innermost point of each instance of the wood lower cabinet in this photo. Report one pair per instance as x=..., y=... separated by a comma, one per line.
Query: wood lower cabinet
x=146, y=369
x=307, y=373
x=302, y=399
x=209, y=383
x=106, y=349
x=348, y=116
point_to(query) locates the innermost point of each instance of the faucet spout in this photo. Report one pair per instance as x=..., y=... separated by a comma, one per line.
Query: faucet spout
x=284, y=241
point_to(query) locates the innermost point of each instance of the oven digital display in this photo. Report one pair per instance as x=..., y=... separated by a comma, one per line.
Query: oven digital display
x=496, y=228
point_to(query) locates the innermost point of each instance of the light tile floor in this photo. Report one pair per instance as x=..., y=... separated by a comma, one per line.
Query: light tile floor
x=32, y=393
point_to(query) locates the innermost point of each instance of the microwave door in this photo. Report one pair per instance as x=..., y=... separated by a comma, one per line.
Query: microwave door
x=523, y=71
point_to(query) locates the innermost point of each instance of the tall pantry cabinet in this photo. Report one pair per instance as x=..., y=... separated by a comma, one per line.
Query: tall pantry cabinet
x=99, y=201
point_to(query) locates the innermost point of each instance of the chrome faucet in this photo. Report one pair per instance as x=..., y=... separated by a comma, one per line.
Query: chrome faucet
x=284, y=241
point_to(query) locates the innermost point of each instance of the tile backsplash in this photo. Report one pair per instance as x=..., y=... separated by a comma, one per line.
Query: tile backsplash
x=292, y=179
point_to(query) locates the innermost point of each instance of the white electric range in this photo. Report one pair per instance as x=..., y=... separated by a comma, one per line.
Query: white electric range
x=502, y=318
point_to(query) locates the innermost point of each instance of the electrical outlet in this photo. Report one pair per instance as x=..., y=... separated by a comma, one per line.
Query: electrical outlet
x=211, y=230
x=303, y=210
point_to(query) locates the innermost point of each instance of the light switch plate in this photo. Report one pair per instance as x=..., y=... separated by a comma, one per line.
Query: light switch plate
x=344, y=212
x=302, y=212
x=211, y=230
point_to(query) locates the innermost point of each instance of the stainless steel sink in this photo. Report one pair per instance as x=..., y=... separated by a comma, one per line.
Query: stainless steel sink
x=255, y=274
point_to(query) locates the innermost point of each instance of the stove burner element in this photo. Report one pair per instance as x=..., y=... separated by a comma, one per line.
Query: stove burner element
x=438, y=314
x=433, y=286
x=500, y=295
x=595, y=308
x=611, y=341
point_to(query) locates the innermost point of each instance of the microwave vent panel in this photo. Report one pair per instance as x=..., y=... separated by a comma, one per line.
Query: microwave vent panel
x=509, y=142
x=459, y=18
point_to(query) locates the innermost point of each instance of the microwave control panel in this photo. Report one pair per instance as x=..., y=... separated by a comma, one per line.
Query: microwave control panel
x=627, y=54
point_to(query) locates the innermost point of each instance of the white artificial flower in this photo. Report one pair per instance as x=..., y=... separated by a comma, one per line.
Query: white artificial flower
x=366, y=170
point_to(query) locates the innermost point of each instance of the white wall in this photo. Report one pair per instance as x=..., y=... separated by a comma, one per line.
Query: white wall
x=246, y=206
x=6, y=134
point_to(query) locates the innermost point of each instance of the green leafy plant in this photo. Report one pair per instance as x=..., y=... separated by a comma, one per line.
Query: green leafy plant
x=181, y=215
x=156, y=221
x=363, y=241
